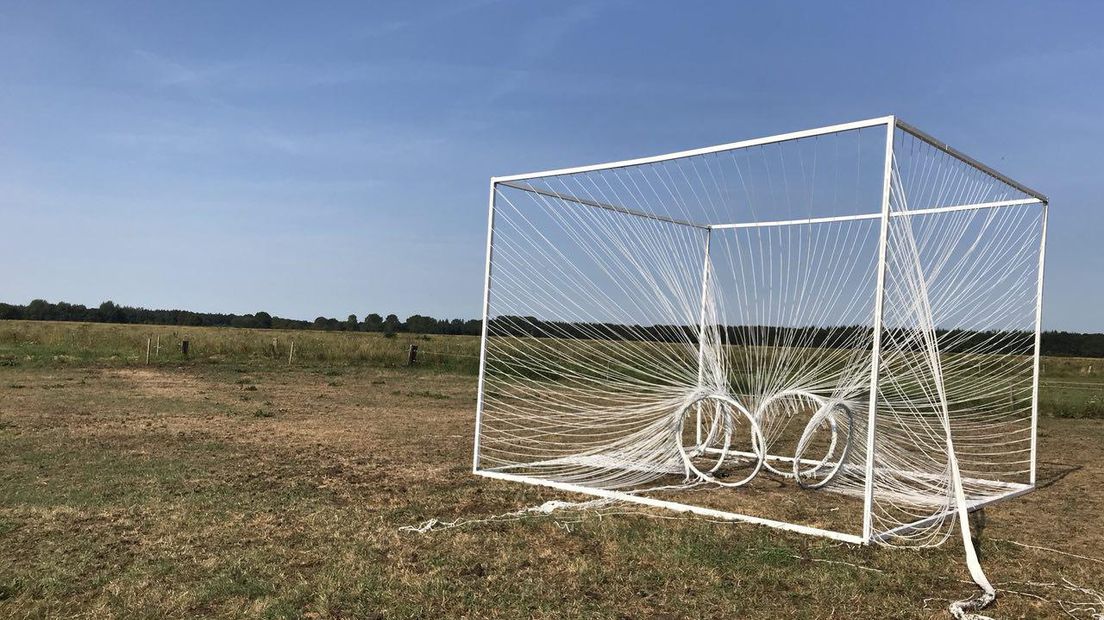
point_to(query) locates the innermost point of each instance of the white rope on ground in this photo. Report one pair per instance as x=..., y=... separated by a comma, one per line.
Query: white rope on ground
x=629, y=352
x=1093, y=607
x=547, y=508
x=1049, y=550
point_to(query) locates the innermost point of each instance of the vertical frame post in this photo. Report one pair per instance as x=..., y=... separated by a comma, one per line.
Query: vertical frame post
x=486, y=326
x=701, y=332
x=876, y=348
x=1038, y=340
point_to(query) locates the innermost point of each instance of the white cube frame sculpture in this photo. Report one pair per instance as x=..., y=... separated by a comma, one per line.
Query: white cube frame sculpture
x=649, y=323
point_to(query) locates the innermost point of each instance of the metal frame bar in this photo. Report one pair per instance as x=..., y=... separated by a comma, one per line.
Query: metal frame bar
x=876, y=346
x=785, y=137
x=768, y=457
x=810, y=220
x=676, y=506
x=854, y=468
x=1038, y=340
x=525, y=187
x=971, y=207
x=957, y=154
x=486, y=328
x=874, y=216
x=971, y=507
x=701, y=333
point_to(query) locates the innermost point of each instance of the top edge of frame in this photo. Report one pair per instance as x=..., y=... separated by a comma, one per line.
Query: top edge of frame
x=957, y=154
x=785, y=137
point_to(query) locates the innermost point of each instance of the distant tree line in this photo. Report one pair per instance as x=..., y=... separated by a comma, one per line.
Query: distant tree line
x=1063, y=344
x=1069, y=344
x=1073, y=344
x=110, y=312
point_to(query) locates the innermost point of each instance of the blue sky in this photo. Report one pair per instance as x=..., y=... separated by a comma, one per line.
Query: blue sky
x=329, y=158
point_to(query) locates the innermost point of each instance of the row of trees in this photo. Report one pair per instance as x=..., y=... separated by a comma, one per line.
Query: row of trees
x=1073, y=344
x=391, y=324
x=1062, y=344
x=110, y=312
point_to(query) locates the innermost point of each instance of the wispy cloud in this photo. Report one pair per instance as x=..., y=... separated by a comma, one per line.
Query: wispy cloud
x=167, y=72
x=530, y=44
x=537, y=42
x=441, y=12
x=359, y=145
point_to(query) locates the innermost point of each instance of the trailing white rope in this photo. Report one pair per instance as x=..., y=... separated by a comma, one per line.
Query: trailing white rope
x=1049, y=550
x=917, y=281
x=547, y=508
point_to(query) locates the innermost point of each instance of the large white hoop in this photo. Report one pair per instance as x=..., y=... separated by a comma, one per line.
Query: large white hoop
x=763, y=410
x=819, y=417
x=725, y=404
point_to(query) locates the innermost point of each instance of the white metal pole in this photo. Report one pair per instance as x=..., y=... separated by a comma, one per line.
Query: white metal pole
x=676, y=506
x=486, y=326
x=876, y=348
x=1038, y=339
x=526, y=187
x=959, y=155
x=785, y=137
x=873, y=216
x=701, y=331
x=968, y=207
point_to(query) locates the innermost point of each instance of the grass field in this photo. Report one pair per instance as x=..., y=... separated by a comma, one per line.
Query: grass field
x=55, y=344
x=235, y=484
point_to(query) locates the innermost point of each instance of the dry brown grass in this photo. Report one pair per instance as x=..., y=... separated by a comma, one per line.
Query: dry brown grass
x=238, y=491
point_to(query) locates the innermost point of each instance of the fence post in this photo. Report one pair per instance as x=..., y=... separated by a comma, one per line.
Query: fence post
x=149, y=343
x=412, y=355
x=291, y=352
x=184, y=347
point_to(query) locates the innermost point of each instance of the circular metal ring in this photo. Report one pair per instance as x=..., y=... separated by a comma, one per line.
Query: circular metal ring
x=810, y=428
x=761, y=412
x=727, y=422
